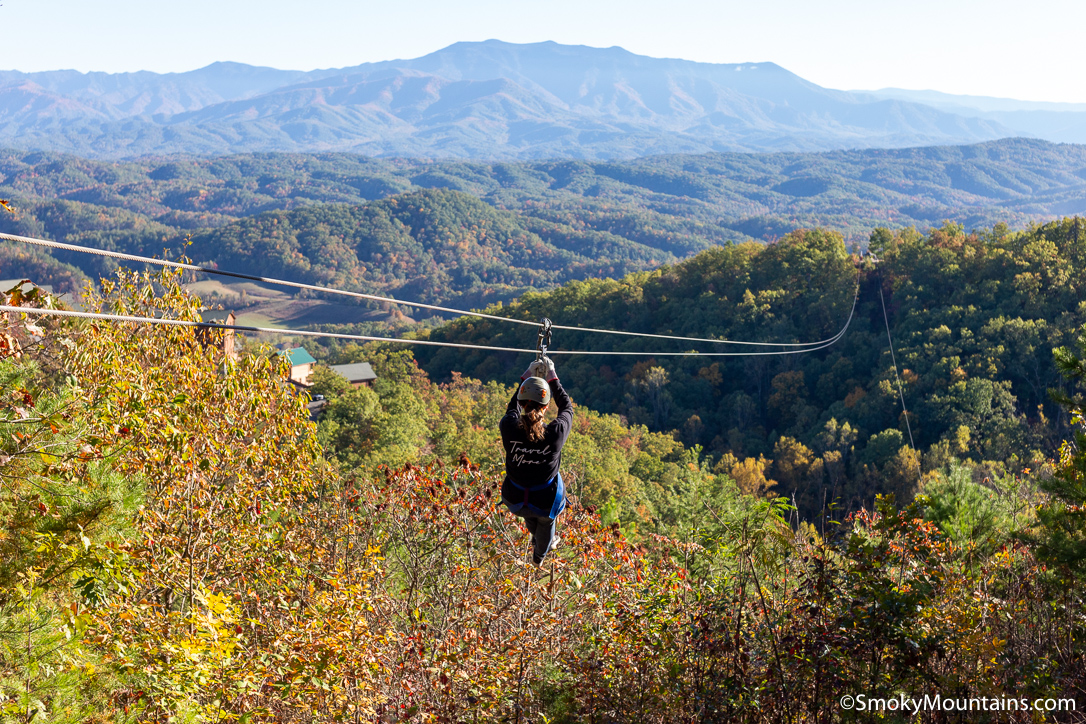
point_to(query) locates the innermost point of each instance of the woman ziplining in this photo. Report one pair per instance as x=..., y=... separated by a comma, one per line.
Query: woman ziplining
x=533, y=488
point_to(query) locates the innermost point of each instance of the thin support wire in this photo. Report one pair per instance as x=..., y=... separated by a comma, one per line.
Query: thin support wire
x=897, y=378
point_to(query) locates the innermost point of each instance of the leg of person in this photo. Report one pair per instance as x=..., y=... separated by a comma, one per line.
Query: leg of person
x=532, y=524
x=543, y=538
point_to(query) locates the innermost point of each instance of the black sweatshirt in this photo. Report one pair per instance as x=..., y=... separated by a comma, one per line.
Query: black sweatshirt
x=531, y=464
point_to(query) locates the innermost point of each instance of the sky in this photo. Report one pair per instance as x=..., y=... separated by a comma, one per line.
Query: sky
x=1027, y=51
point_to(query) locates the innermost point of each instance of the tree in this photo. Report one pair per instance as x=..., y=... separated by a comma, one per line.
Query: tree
x=653, y=383
x=978, y=518
x=1061, y=539
x=62, y=512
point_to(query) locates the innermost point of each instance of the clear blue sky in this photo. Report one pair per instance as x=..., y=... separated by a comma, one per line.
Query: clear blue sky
x=1029, y=51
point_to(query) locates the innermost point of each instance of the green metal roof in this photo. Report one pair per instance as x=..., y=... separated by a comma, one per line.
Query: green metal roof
x=298, y=356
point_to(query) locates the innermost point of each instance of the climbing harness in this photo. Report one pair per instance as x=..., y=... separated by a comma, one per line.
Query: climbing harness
x=557, y=506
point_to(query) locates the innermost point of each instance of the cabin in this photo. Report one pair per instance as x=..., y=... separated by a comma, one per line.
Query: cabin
x=358, y=374
x=301, y=364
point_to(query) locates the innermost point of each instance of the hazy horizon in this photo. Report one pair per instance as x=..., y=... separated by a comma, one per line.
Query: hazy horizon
x=962, y=48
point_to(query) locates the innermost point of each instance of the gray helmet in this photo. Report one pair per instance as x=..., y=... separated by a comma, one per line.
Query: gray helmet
x=535, y=389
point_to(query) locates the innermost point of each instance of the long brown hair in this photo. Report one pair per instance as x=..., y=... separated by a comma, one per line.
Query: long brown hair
x=531, y=420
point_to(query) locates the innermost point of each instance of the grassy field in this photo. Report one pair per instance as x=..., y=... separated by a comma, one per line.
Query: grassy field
x=264, y=306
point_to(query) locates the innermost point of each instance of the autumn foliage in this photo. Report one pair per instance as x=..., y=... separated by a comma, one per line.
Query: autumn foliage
x=179, y=546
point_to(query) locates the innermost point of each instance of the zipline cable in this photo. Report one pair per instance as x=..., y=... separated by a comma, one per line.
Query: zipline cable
x=242, y=328
x=426, y=342
x=378, y=298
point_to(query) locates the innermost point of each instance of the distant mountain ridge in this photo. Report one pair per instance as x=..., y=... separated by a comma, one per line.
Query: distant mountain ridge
x=471, y=100
x=1059, y=122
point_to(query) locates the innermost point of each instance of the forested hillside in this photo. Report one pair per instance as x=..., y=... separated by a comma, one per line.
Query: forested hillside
x=579, y=219
x=430, y=246
x=973, y=318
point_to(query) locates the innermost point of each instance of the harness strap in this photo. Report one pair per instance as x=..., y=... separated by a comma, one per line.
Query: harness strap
x=517, y=507
x=524, y=503
x=534, y=489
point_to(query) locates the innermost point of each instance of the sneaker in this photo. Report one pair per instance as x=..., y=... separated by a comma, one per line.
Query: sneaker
x=554, y=544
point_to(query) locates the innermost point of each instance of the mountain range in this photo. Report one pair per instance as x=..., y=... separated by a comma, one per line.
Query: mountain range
x=489, y=99
x=1059, y=122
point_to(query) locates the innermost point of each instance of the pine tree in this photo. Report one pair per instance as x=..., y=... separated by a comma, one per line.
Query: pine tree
x=1062, y=540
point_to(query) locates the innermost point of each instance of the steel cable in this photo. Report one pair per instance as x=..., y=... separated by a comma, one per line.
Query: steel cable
x=378, y=298
x=426, y=342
